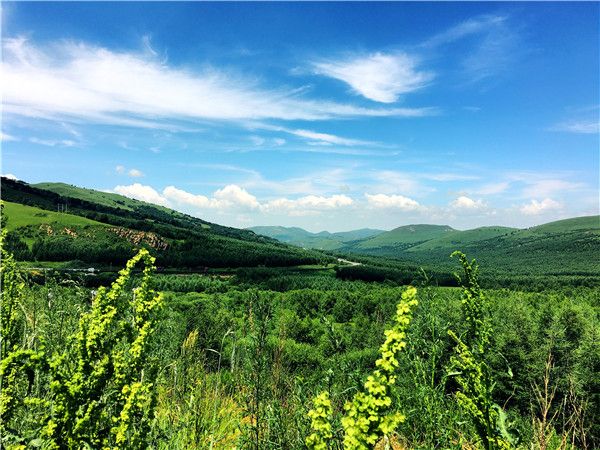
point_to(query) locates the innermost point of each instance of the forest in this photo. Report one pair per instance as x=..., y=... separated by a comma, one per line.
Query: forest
x=205, y=361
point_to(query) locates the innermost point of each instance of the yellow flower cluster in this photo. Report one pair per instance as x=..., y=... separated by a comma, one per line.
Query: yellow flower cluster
x=367, y=418
x=320, y=417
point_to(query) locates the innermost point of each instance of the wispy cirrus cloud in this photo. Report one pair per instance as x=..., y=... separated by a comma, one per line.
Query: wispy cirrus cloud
x=4, y=137
x=474, y=25
x=498, y=45
x=578, y=126
x=312, y=136
x=74, y=80
x=381, y=77
x=53, y=142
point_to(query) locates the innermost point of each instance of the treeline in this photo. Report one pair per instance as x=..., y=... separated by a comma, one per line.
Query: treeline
x=99, y=245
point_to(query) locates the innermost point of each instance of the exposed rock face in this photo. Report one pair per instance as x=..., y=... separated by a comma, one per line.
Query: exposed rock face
x=137, y=237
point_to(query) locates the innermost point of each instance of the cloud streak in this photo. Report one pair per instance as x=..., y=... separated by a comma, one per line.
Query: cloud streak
x=71, y=80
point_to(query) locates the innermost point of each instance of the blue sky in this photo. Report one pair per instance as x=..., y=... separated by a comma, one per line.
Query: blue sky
x=329, y=116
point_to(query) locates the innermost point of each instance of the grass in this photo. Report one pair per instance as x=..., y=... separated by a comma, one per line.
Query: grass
x=22, y=215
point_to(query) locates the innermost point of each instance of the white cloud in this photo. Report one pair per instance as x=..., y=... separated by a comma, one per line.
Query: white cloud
x=475, y=25
x=257, y=140
x=71, y=80
x=10, y=176
x=308, y=203
x=579, y=127
x=392, y=201
x=142, y=192
x=53, y=142
x=7, y=137
x=135, y=173
x=236, y=196
x=534, y=207
x=120, y=169
x=181, y=197
x=314, y=136
x=548, y=187
x=464, y=202
x=379, y=77
x=231, y=196
x=329, y=138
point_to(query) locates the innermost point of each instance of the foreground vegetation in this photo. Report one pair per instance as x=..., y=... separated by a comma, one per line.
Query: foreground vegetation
x=226, y=363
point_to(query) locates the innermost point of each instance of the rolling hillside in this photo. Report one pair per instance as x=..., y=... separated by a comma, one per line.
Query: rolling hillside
x=322, y=241
x=108, y=228
x=565, y=247
x=23, y=215
x=404, y=237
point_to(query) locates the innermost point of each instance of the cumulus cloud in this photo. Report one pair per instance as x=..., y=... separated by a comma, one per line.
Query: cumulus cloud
x=81, y=81
x=120, y=169
x=392, y=201
x=464, y=202
x=233, y=195
x=10, y=176
x=535, y=208
x=307, y=204
x=379, y=77
x=141, y=192
x=182, y=197
x=234, y=198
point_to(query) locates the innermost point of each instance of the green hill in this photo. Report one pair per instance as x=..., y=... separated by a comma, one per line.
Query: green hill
x=568, y=225
x=460, y=239
x=22, y=215
x=321, y=241
x=565, y=247
x=405, y=236
x=108, y=228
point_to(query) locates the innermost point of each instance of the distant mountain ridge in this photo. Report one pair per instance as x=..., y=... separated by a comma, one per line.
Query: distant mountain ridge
x=323, y=240
x=569, y=246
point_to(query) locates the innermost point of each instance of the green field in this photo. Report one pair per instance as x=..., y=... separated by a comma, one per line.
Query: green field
x=23, y=215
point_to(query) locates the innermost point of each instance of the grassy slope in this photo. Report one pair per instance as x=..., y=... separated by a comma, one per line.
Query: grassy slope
x=405, y=236
x=23, y=215
x=567, y=247
x=322, y=241
x=458, y=239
